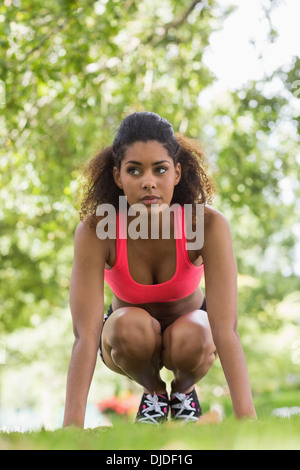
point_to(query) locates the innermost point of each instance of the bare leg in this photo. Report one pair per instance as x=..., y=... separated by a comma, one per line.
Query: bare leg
x=189, y=350
x=132, y=346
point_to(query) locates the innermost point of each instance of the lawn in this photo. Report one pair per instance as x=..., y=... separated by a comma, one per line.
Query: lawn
x=272, y=434
x=268, y=433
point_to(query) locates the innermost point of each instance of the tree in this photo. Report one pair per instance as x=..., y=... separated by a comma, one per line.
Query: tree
x=71, y=70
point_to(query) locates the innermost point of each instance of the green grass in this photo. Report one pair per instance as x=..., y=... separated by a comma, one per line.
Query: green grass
x=272, y=434
x=268, y=433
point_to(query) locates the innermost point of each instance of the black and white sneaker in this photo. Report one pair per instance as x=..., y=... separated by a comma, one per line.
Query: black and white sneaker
x=185, y=406
x=153, y=409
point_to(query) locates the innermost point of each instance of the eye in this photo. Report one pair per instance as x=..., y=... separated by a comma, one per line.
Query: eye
x=133, y=171
x=161, y=170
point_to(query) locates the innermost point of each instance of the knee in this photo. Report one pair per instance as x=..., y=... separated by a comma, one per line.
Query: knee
x=187, y=348
x=134, y=332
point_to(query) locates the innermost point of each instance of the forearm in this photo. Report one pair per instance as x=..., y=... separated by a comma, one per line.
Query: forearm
x=81, y=370
x=234, y=364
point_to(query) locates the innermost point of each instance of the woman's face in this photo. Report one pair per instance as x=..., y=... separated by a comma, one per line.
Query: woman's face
x=147, y=174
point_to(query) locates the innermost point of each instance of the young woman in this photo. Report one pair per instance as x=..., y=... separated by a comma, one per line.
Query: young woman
x=159, y=316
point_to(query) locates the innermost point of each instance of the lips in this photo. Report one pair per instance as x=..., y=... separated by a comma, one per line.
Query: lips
x=151, y=199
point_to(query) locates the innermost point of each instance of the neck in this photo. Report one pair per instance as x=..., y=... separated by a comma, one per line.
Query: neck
x=151, y=226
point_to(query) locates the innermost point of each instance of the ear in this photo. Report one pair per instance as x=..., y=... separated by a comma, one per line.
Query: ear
x=177, y=174
x=117, y=177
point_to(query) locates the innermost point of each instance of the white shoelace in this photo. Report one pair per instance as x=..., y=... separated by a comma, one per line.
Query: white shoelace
x=153, y=405
x=184, y=405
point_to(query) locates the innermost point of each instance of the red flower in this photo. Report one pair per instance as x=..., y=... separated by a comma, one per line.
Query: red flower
x=125, y=405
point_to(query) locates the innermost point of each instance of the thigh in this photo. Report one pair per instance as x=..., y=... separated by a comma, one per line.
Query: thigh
x=122, y=322
x=189, y=334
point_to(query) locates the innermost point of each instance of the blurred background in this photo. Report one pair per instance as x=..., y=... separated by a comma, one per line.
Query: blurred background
x=225, y=72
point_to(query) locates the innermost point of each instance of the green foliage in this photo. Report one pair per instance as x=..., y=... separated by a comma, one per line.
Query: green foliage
x=71, y=71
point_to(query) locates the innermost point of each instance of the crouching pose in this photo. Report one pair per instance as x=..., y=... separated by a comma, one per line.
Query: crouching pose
x=159, y=316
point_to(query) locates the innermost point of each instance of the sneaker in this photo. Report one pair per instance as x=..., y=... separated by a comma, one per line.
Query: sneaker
x=185, y=406
x=153, y=409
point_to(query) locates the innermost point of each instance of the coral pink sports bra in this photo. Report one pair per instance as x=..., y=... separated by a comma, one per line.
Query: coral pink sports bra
x=185, y=281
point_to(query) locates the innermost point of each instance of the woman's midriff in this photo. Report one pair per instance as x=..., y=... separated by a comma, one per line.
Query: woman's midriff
x=166, y=313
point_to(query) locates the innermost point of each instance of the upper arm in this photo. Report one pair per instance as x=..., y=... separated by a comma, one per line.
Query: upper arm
x=220, y=274
x=87, y=282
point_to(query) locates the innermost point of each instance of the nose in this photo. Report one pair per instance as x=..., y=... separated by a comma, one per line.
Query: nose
x=148, y=183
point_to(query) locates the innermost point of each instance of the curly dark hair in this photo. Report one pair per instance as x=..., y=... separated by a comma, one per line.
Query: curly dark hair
x=97, y=184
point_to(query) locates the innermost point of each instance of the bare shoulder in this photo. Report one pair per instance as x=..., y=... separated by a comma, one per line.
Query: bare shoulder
x=215, y=222
x=87, y=244
x=217, y=232
x=85, y=234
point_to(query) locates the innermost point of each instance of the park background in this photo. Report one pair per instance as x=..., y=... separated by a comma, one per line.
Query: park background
x=226, y=73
